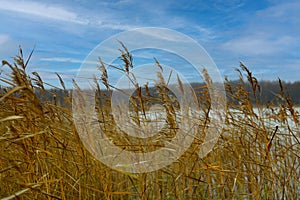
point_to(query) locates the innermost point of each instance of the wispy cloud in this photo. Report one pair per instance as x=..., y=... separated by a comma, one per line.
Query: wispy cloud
x=270, y=32
x=41, y=10
x=113, y=25
x=162, y=34
x=8, y=47
x=256, y=45
x=61, y=59
x=68, y=60
x=64, y=14
x=284, y=11
x=228, y=6
x=3, y=39
x=118, y=3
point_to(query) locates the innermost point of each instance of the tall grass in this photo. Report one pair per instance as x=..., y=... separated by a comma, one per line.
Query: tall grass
x=42, y=157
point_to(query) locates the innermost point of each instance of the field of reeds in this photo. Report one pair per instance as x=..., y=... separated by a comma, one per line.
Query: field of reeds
x=42, y=155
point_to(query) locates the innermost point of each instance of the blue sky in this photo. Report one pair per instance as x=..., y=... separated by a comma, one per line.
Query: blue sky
x=262, y=34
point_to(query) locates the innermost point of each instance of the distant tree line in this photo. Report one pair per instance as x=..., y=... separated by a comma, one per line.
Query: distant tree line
x=269, y=91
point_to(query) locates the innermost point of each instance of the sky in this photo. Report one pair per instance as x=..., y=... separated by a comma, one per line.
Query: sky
x=263, y=34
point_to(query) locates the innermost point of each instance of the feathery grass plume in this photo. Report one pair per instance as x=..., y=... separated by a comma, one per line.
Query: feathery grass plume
x=62, y=83
x=147, y=90
x=98, y=90
x=158, y=65
x=38, y=80
x=288, y=102
x=19, y=59
x=252, y=80
x=126, y=57
x=104, y=75
x=164, y=93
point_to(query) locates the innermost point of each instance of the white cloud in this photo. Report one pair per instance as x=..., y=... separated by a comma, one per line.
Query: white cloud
x=257, y=45
x=115, y=26
x=60, y=13
x=283, y=11
x=69, y=60
x=118, y=3
x=228, y=6
x=163, y=34
x=41, y=10
x=269, y=31
x=3, y=39
x=8, y=47
x=61, y=59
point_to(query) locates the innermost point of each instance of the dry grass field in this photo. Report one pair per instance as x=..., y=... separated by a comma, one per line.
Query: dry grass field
x=42, y=156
